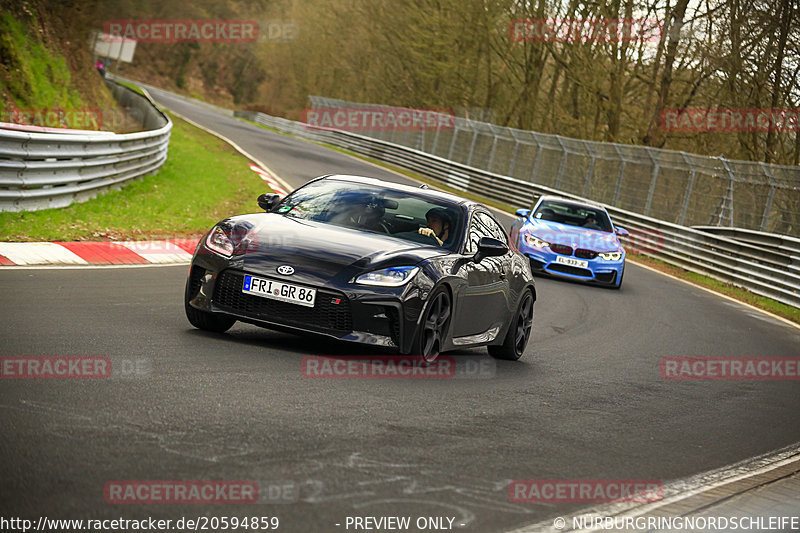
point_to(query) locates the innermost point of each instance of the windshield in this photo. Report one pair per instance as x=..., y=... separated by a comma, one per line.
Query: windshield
x=366, y=207
x=574, y=215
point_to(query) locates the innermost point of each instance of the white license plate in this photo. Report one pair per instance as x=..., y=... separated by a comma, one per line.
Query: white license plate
x=572, y=261
x=277, y=290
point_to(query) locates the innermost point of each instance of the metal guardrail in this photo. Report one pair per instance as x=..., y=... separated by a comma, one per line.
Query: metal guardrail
x=46, y=170
x=760, y=269
x=783, y=244
x=679, y=187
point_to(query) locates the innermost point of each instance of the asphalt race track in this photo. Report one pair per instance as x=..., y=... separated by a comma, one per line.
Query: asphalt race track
x=587, y=401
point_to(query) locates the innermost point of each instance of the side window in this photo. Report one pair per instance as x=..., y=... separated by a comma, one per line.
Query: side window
x=482, y=225
x=495, y=230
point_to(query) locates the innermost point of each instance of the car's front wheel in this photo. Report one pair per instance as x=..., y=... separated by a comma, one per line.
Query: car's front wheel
x=433, y=330
x=203, y=319
x=519, y=332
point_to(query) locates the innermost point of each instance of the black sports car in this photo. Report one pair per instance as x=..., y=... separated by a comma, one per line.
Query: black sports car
x=364, y=260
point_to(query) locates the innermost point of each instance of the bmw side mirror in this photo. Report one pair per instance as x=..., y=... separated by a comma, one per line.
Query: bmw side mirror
x=490, y=247
x=523, y=213
x=622, y=232
x=267, y=202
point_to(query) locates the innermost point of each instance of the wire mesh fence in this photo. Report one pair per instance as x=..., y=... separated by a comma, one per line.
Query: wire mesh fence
x=678, y=187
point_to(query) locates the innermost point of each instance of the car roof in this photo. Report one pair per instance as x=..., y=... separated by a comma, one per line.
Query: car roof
x=573, y=203
x=400, y=187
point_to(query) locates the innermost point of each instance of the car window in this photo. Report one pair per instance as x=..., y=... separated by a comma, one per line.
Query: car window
x=483, y=225
x=371, y=208
x=574, y=215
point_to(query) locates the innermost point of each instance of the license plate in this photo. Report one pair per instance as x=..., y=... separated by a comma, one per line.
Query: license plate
x=277, y=290
x=572, y=262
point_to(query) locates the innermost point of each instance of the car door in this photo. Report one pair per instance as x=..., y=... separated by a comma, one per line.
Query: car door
x=481, y=304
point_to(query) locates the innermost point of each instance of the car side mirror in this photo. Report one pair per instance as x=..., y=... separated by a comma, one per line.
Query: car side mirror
x=523, y=213
x=622, y=232
x=489, y=247
x=267, y=202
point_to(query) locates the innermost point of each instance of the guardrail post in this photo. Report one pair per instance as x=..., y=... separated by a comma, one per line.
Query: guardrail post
x=770, y=197
x=653, y=179
x=619, y=178
x=689, y=186
x=589, y=171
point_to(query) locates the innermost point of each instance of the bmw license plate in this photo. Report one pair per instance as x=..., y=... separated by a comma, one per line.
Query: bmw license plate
x=572, y=262
x=277, y=290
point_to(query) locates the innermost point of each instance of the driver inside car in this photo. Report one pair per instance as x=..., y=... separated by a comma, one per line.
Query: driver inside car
x=438, y=225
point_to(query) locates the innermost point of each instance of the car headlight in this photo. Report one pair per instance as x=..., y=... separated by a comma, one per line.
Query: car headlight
x=218, y=241
x=388, y=277
x=536, y=242
x=611, y=256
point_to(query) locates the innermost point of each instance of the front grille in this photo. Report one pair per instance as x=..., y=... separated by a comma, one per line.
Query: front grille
x=583, y=253
x=575, y=271
x=561, y=249
x=326, y=316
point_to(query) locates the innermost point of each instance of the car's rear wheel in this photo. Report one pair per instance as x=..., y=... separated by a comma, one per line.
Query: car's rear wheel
x=203, y=319
x=519, y=332
x=435, y=323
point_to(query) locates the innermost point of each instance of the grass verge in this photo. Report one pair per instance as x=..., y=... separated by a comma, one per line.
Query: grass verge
x=203, y=180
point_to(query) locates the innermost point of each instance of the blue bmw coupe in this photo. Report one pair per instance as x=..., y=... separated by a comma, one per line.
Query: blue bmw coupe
x=572, y=240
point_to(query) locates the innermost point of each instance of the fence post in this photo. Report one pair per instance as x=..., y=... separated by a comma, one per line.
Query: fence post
x=494, y=147
x=436, y=137
x=453, y=142
x=770, y=196
x=538, y=159
x=729, y=192
x=656, y=166
x=513, y=161
x=589, y=171
x=619, y=178
x=472, y=144
x=689, y=186
x=561, y=163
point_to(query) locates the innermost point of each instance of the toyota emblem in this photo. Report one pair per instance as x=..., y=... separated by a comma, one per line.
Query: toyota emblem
x=286, y=270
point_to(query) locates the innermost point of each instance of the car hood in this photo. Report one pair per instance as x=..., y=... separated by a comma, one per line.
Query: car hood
x=319, y=253
x=574, y=236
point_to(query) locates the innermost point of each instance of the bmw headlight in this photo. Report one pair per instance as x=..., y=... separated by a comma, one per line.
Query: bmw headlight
x=611, y=256
x=536, y=242
x=388, y=277
x=219, y=242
